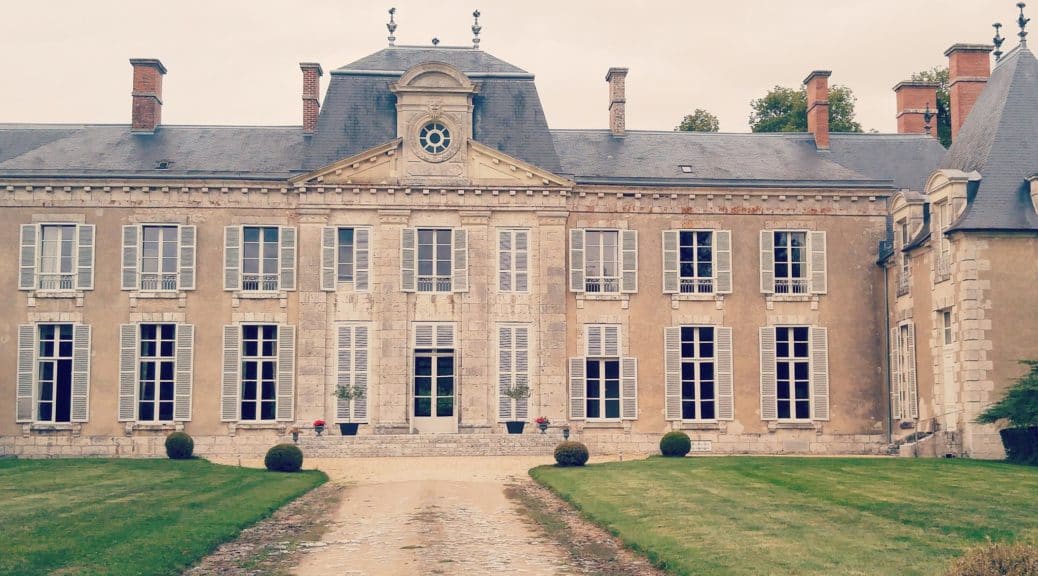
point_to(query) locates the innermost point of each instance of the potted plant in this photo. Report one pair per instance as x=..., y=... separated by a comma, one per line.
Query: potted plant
x=319, y=426
x=517, y=392
x=1019, y=408
x=542, y=423
x=349, y=393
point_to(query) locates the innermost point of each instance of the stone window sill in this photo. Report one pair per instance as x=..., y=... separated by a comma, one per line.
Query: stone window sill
x=279, y=426
x=260, y=295
x=774, y=425
x=599, y=296
x=157, y=294
x=131, y=427
x=792, y=298
x=617, y=425
x=45, y=427
x=705, y=297
x=689, y=425
x=57, y=294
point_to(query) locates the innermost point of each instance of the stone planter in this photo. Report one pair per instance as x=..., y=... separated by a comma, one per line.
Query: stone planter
x=515, y=427
x=348, y=429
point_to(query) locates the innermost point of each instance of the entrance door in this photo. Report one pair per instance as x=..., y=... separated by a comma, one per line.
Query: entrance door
x=434, y=382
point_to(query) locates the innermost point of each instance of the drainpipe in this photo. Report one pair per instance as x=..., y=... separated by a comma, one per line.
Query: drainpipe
x=886, y=339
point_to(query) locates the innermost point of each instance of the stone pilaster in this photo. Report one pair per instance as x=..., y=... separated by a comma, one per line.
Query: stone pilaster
x=314, y=336
x=390, y=322
x=551, y=397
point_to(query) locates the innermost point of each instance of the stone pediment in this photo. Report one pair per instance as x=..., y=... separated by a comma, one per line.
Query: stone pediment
x=384, y=166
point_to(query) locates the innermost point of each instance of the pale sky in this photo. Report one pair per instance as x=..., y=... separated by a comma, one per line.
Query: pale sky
x=236, y=62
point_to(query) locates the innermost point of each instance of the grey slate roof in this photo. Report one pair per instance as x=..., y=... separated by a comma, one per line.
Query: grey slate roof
x=1000, y=141
x=400, y=58
x=594, y=156
x=111, y=150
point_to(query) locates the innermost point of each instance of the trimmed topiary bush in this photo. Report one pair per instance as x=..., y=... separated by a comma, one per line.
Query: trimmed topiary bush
x=571, y=454
x=675, y=444
x=997, y=560
x=284, y=458
x=179, y=446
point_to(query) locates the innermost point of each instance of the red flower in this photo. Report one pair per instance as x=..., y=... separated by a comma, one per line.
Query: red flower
x=541, y=420
x=318, y=422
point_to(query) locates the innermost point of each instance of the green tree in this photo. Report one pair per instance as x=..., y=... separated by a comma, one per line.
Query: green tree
x=1020, y=404
x=698, y=121
x=939, y=75
x=785, y=110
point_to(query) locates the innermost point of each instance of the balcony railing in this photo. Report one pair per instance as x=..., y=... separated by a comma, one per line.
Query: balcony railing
x=259, y=282
x=904, y=283
x=597, y=285
x=434, y=283
x=158, y=281
x=697, y=285
x=791, y=286
x=943, y=268
x=57, y=281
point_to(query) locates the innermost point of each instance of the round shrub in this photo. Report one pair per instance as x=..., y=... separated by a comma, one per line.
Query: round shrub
x=179, y=446
x=571, y=454
x=997, y=560
x=284, y=458
x=675, y=444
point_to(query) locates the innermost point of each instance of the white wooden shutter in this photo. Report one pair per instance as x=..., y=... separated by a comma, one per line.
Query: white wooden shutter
x=611, y=340
x=232, y=265
x=85, y=259
x=629, y=261
x=183, y=380
x=723, y=261
x=188, y=243
x=27, y=262
x=895, y=373
x=910, y=378
x=820, y=373
x=81, y=371
x=504, y=261
x=352, y=370
x=576, y=260
x=594, y=341
x=723, y=372
x=423, y=336
x=505, y=371
x=329, y=274
x=361, y=259
x=445, y=335
x=767, y=261
x=128, y=366
x=360, y=372
x=672, y=371
x=577, y=368
x=522, y=260
x=819, y=278
x=671, y=262
x=460, y=266
x=229, y=402
x=768, y=384
x=26, y=372
x=286, y=385
x=287, y=252
x=629, y=388
x=343, y=369
x=407, y=259
x=131, y=251
x=522, y=368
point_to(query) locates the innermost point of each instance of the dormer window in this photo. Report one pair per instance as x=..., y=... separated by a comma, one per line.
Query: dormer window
x=434, y=138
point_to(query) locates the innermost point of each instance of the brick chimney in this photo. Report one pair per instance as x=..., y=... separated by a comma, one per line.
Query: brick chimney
x=913, y=99
x=312, y=73
x=617, y=78
x=147, y=95
x=817, y=84
x=968, y=70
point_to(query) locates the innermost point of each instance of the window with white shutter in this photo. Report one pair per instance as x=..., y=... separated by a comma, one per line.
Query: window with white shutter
x=603, y=261
x=434, y=260
x=56, y=257
x=258, y=373
x=158, y=257
x=610, y=388
x=904, y=396
x=259, y=258
x=434, y=372
x=794, y=373
x=345, y=257
x=53, y=373
x=352, y=371
x=156, y=363
x=27, y=370
x=513, y=260
x=793, y=262
x=697, y=262
x=698, y=373
x=817, y=264
x=513, y=370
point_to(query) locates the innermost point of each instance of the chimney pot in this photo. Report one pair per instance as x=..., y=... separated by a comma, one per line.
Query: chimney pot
x=146, y=114
x=817, y=84
x=913, y=98
x=969, y=67
x=617, y=79
x=312, y=73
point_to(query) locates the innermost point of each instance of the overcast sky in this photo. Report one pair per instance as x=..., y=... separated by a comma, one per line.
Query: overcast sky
x=236, y=62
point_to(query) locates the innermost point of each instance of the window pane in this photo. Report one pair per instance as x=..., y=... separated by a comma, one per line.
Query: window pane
x=423, y=407
x=422, y=386
x=800, y=371
x=248, y=411
x=593, y=409
x=783, y=389
x=268, y=390
x=612, y=409
x=688, y=371
x=612, y=369
x=593, y=390
x=705, y=238
x=707, y=409
x=706, y=371
x=248, y=389
x=445, y=386
x=783, y=409
x=688, y=390
x=802, y=390
x=612, y=388
x=593, y=371
x=803, y=410
x=423, y=366
x=445, y=406
x=270, y=235
x=688, y=410
x=707, y=390
x=166, y=411
x=147, y=411
x=269, y=410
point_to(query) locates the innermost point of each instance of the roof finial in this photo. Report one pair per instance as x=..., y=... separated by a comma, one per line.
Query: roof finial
x=436, y=41
x=927, y=116
x=475, y=30
x=1023, y=24
x=998, y=40
x=391, y=26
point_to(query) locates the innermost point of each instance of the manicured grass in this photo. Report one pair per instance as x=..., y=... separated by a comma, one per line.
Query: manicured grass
x=122, y=517
x=746, y=515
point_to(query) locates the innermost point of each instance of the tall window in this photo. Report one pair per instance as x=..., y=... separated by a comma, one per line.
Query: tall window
x=433, y=382
x=346, y=259
x=259, y=372
x=57, y=257
x=946, y=327
x=54, y=402
x=159, y=258
x=791, y=263
x=157, y=368
x=260, y=258
x=603, y=388
x=513, y=260
x=434, y=260
x=696, y=260
x=602, y=266
x=793, y=372
x=698, y=390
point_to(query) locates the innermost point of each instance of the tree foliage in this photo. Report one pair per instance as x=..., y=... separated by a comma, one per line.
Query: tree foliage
x=785, y=110
x=699, y=121
x=1020, y=404
x=939, y=74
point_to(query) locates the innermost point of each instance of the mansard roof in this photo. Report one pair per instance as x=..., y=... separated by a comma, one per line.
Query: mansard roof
x=1000, y=141
x=397, y=59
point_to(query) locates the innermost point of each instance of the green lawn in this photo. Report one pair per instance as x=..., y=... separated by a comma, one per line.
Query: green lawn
x=116, y=517
x=746, y=515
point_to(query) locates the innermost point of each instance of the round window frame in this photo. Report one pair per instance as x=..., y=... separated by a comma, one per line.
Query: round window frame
x=436, y=157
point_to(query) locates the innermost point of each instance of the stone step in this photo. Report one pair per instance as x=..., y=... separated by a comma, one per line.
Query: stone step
x=373, y=445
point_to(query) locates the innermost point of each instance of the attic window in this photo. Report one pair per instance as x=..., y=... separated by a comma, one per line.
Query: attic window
x=434, y=138
x=163, y=164
x=685, y=168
